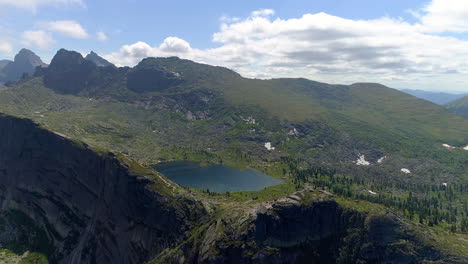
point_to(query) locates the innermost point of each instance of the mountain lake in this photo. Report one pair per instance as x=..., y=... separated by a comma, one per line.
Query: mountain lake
x=216, y=178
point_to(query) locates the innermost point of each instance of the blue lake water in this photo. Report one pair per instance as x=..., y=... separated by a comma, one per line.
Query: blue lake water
x=216, y=178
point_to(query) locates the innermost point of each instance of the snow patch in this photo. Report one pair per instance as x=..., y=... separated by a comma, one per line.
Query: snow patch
x=371, y=192
x=447, y=146
x=381, y=159
x=362, y=161
x=269, y=146
x=293, y=132
x=405, y=171
x=175, y=74
x=250, y=120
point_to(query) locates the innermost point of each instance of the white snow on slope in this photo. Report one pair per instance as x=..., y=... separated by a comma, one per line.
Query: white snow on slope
x=447, y=146
x=381, y=159
x=268, y=146
x=405, y=171
x=362, y=161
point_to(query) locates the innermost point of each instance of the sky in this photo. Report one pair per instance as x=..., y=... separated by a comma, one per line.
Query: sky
x=415, y=44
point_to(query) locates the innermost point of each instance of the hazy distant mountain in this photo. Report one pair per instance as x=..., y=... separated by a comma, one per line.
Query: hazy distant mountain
x=25, y=61
x=98, y=60
x=459, y=106
x=439, y=98
x=4, y=63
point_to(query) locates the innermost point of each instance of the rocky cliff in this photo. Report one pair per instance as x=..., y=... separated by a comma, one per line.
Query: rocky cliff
x=78, y=206
x=308, y=226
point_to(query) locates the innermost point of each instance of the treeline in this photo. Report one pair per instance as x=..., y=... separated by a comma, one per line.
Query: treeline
x=433, y=208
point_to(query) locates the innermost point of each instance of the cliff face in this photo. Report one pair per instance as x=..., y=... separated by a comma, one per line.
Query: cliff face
x=89, y=206
x=309, y=226
x=75, y=205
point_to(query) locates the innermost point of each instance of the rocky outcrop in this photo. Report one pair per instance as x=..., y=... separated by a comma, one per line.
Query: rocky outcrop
x=149, y=76
x=308, y=226
x=70, y=73
x=91, y=207
x=98, y=60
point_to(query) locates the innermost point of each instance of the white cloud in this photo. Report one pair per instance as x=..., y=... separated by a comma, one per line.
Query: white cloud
x=38, y=38
x=67, y=28
x=134, y=53
x=263, y=12
x=34, y=4
x=101, y=36
x=329, y=48
x=444, y=16
x=175, y=45
x=6, y=47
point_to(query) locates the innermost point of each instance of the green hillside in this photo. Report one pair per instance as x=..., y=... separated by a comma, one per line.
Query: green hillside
x=355, y=141
x=459, y=106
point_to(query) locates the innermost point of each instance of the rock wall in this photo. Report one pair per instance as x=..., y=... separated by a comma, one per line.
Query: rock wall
x=91, y=207
x=308, y=226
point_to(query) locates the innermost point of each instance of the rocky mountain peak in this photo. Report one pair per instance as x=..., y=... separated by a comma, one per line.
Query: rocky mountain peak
x=98, y=60
x=69, y=72
x=25, y=62
x=26, y=57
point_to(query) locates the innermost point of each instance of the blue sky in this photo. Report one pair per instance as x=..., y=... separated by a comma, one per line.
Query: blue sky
x=129, y=21
x=265, y=44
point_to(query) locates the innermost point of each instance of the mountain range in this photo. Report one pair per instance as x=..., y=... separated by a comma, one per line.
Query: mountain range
x=26, y=61
x=439, y=98
x=372, y=174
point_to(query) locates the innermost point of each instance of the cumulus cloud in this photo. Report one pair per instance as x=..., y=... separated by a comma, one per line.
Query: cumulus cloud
x=327, y=48
x=101, y=36
x=444, y=16
x=69, y=28
x=37, y=38
x=34, y=4
x=175, y=45
x=171, y=46
x=6, y=47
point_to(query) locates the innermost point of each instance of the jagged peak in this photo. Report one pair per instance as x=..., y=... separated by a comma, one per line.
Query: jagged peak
x=98, y=60
x=28, y=56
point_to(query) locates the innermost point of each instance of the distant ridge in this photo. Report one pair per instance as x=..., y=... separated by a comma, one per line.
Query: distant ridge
x=459, y=106
x=439, y=98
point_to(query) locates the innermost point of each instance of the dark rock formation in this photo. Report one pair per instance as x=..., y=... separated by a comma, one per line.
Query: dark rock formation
x=70, y=73
x=149, y=76
x=25, y=61
x=90, y=207
x=98, y=60
x=306, y=227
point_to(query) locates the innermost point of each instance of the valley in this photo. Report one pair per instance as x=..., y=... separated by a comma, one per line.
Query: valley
x=365, y=171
